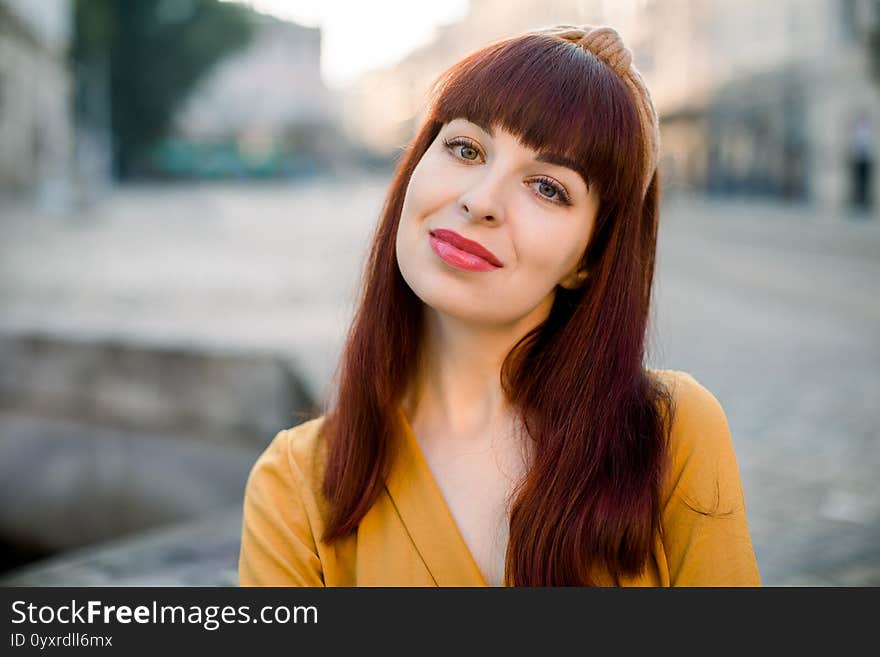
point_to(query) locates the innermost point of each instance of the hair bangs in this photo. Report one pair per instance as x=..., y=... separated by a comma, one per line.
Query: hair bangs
x=512, y=83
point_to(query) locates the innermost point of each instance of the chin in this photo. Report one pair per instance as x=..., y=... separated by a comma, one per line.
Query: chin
x=469, y=311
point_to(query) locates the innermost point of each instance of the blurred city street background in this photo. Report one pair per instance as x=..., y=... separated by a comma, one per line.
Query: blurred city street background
x=179, y=261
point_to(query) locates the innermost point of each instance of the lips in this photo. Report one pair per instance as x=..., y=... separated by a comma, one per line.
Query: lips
x=466, y=245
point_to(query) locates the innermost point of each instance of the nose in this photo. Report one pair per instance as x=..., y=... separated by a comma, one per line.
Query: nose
x=482, y=201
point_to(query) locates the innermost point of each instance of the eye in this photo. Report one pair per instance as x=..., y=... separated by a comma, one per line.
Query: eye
x=469, y=150
x=551, y=190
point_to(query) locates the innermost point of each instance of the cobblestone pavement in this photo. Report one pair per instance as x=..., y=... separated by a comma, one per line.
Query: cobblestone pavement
x=776, y=313
x=774, y=309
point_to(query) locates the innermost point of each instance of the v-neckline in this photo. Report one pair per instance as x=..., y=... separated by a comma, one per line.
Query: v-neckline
x=426, y=515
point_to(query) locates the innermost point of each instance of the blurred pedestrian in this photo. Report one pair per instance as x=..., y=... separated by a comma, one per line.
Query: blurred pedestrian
x=861, y=160
x=493, y=422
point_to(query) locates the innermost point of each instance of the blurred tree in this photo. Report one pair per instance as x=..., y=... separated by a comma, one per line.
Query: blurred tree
x=154, y=52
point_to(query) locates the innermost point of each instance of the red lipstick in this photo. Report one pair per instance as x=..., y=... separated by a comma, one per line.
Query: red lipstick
x=461, y=252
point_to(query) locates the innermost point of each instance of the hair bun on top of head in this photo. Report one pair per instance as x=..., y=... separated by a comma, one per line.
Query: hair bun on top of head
x=606, y=45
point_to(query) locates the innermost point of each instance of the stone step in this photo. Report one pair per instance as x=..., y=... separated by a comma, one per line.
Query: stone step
x=195, y=553
x=100, y=439
x=221, y=396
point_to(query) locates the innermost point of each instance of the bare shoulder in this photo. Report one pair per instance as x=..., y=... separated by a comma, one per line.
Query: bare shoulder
x=702, y=466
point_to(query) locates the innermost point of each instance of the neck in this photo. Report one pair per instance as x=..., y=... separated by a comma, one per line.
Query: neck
x=458, y=386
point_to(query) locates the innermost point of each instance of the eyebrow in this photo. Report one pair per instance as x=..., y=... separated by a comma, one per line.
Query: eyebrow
x=555, y=158
x=560, y=160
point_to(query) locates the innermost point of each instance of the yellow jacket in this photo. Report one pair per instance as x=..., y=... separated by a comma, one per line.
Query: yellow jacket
x=409, y=536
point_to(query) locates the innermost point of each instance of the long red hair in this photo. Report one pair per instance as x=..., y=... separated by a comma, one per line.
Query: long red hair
x=598, y=418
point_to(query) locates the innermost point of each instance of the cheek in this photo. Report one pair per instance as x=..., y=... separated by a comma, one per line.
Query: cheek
x=549, y=248
x=430, y=188
x=411, y=214
x=417, y=205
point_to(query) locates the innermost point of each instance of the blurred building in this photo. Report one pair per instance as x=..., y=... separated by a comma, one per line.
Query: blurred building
x=266, y=107
x=762, y=98
x=36, y=86
x=385, y=105
x=774, y=99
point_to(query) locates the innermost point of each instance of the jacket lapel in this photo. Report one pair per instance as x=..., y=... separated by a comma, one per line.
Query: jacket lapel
x=423, y=511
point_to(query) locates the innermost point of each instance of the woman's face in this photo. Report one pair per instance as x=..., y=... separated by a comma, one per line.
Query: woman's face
x=530, y=211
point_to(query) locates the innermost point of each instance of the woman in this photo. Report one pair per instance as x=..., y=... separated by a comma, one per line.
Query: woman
x=493, y=422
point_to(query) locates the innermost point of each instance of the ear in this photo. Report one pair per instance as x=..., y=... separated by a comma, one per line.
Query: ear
x=575, y=279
